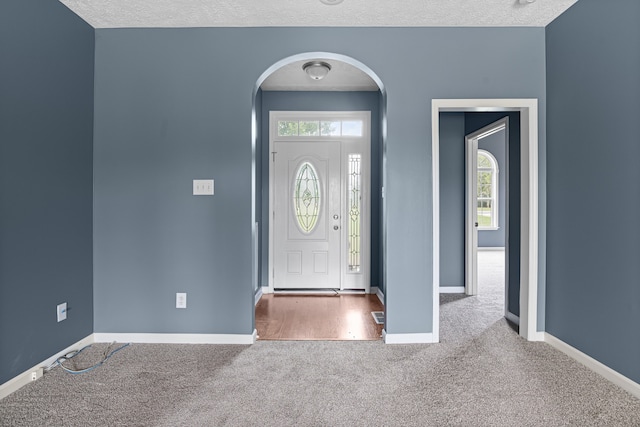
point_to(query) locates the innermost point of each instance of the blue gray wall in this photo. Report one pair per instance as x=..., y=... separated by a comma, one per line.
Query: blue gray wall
x=46, y=131
x=175, y=104
x=452, y=199
x=321, y=101
x=593, y=78
x=496, y=144
x=452, y=195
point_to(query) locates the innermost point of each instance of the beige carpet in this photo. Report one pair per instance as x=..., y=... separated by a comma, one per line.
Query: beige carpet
x=482, y=374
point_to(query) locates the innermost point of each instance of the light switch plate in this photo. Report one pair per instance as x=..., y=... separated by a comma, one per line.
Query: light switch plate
x=203, y=187
x=61, y=311
x=181, y=300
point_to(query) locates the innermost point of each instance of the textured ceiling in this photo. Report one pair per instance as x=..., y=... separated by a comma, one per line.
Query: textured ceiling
x=304, y=13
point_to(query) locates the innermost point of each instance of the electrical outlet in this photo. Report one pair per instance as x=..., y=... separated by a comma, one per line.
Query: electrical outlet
x=181, y=300
x=61, y=311
x=203, y=187
x=37, y=374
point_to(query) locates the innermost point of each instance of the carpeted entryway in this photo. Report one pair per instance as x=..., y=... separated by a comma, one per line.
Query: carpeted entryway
x=481, y=374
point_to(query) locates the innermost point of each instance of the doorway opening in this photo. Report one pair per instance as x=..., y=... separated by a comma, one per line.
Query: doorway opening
x=522, y=241
x=487, y=214
x=317, y=206
x=487, y=193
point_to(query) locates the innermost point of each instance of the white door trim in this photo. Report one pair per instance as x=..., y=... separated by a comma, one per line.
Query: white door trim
x=528, y=109
x=347, y=145
x=471, y=216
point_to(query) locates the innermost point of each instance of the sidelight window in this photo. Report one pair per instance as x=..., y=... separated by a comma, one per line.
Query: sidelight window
x=354, y=216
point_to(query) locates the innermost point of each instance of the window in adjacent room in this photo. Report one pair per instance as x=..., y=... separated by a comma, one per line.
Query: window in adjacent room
x=487, y=191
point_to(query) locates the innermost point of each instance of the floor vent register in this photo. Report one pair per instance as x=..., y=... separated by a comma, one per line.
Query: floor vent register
x=378, y=317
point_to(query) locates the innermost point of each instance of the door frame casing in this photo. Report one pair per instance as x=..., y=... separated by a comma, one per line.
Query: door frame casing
x=529, y=221
x=365, y=243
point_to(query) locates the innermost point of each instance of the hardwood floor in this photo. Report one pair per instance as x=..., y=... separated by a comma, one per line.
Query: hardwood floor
x=318, y=317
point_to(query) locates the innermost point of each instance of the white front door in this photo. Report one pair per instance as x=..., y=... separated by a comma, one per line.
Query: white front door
x=307, y=214
x=320, y=200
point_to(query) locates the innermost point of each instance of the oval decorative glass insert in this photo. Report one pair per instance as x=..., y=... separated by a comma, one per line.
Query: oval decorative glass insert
x=306, y=197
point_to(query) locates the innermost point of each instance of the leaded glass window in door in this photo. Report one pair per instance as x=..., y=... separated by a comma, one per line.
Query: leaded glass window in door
x=306, y=197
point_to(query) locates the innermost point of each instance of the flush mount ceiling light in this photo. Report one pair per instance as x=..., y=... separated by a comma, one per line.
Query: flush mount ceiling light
x=331, y=2
x=317, y=70
x=526, y=1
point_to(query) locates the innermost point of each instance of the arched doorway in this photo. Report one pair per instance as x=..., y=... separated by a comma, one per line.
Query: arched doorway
x=299, y=102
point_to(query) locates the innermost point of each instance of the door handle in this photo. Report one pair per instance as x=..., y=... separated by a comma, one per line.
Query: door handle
x=335, y=227
x=336, y=216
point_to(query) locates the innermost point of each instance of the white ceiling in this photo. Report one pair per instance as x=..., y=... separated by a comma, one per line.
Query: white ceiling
x=305, y=13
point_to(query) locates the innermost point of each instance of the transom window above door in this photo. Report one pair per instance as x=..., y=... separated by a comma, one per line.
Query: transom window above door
x=325, y=128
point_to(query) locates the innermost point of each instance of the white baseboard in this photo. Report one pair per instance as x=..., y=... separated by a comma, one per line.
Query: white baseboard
x=258, y=295
x=591, y=363
x=489, y=248
x=266, y=290
x=27, y=376
x=376, y=290
x=407, y=338
x=178, y=338
x=452, y=289
x=512, y=318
